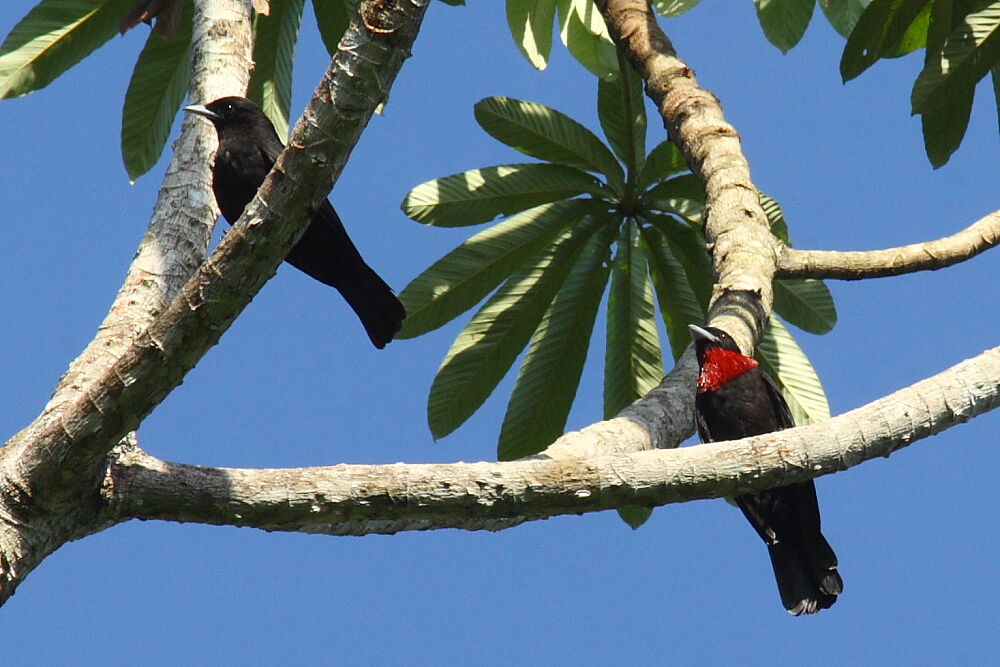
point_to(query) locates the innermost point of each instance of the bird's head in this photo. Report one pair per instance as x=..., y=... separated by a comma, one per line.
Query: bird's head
x=719, y=357
x=708, y=337
x=231, y=112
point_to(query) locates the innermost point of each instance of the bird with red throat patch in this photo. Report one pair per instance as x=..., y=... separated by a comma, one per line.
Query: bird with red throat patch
x=736, y=399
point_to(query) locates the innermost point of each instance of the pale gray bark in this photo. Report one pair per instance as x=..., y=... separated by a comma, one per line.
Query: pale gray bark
x=61, y=457
x=744, y=252
x=978, y=237
x=40, y=502
x=367, y=499
x=185, y=211
x=77, y=469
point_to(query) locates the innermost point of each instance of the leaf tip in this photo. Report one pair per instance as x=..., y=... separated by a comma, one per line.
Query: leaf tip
x=635, y=516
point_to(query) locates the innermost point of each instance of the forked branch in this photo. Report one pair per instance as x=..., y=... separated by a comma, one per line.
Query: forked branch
x=744, y=253
x=61, y=457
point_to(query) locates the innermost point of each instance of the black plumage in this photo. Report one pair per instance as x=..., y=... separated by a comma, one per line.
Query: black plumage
x=736, y=399
x=248, y=148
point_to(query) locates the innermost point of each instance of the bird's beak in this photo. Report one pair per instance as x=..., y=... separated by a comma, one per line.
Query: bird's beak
x=202, y=110
x=697, y=333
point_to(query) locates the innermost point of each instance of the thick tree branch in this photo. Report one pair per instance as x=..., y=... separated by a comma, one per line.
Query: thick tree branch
x=661, y=419
x=156, y=362
x=744, y=252
x=61, y=456
x=366, y=499
x=40, y=486
x=60, y=478
x=929, y=256
x=185, y=211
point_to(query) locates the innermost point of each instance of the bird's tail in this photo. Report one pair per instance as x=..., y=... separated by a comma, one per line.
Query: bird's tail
x=805, y=567
x=380, y=312
x=806, y=573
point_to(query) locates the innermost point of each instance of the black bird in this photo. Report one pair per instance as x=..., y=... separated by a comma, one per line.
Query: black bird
x=736, y=399
x=248, y=148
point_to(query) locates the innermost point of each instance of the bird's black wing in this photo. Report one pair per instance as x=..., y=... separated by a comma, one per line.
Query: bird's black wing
x=787, y=519
x=269, y=144
x=699, y=420
x=781, y=409
x=248, y=149
x=326, y=252
x=242, y=161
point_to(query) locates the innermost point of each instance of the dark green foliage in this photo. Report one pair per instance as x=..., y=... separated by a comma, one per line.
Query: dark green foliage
x=590, y=213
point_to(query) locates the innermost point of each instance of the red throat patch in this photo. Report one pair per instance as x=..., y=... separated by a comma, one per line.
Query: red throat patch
x=721, y=366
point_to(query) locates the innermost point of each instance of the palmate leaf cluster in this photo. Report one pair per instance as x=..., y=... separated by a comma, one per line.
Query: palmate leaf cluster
x=590, y=218
x=961, y=39
x=57, y=34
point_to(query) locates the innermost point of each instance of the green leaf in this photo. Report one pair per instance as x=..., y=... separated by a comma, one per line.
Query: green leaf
x=274, y=38
x=944, y=127
x=460, y=279
x=686, y=186
x=635, y=516
x=479, y=195
x=781, y=357
x=962, y=46
x=775, y=217
x=784, y=21
x=670, y=9
x=155, y=93
x=683, y=196
x=483, y=353
x=843, y=15
x=943, y=18
x=915, y=36
x=583, y=32
x=633, y=362
x=51, y=38
x=623, y=117
x=663, y=162
x=806, y=303
x=530, y=24
x=996, y=88
x=968, y=53
x=546, y=134
x=332, y=19
x=548, y=379
x=688, y=247
x=880, y=28
x=680, y=304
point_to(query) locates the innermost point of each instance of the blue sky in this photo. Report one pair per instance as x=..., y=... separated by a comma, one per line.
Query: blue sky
x=295, y=382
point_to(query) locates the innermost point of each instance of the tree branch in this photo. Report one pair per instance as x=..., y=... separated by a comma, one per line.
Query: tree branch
x=40, y=507
x=185, y=211
x=60, y=478
x=744, y=252
x=661, y=419
x=367, y=499
x=143, y=374
x=928, y=256
x=61, y=456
